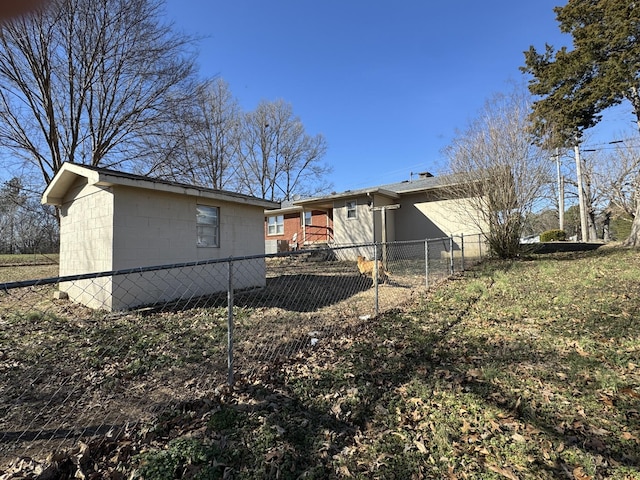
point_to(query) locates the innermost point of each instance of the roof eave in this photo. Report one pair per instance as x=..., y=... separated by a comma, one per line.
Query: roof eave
x=285, y=210
x=58, y=187
x=349, y=194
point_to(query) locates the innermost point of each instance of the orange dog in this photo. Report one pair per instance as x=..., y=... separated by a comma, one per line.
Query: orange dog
x=367, y=267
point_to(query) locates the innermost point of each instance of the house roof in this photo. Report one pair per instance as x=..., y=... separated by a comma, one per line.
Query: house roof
x=70, y=172
x=426, y=183
x=350, y=194
x=390, y=190
x=287, y=206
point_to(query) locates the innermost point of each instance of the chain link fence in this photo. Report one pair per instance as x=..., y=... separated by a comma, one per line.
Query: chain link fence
x=90, y=355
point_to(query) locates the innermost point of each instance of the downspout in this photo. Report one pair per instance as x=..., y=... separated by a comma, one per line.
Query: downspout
x=373, y=217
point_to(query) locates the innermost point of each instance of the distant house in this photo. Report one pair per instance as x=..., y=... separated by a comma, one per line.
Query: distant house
x=291, y=227
x=424, y=208
x=112, y=220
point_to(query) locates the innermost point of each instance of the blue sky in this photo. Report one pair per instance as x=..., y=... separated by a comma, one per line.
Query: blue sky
x=387, y=83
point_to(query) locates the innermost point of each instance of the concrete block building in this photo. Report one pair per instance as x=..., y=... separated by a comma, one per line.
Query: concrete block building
x=111, y=220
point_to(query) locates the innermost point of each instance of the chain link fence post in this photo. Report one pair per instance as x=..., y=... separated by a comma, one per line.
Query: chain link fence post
x=375, y=276
x=462, y=251
x=451, y=264
x=230, y=324
x=426, y=263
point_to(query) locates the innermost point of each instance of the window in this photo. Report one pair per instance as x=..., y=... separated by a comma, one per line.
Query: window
x=208, y=226
x=351, y=209
x=307, y=218
x=275, y=225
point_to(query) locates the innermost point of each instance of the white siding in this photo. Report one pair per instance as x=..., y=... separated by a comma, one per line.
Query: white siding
x=350, y=231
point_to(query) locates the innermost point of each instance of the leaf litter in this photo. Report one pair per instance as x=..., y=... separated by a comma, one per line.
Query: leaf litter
x=517, y=370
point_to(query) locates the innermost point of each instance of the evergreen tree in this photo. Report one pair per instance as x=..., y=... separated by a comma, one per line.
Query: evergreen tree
x=601, y=70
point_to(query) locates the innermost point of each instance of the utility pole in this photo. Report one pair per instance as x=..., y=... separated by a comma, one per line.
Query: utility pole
x=584, y=230
x=560, y=191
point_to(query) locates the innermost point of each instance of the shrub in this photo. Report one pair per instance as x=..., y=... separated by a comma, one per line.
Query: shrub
x=553, y=236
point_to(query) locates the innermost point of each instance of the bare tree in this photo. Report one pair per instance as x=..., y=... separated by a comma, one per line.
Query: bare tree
x=501, y=172
x=37, y=231
x=86, y=80
x=278, y=158
x=12, y=198
x=538, y=222
x=26, y=226
x=617, y=177
x=202, y=144
x=615, y=183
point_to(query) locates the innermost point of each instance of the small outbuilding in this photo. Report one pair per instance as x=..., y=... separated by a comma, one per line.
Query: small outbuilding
x=111, y=221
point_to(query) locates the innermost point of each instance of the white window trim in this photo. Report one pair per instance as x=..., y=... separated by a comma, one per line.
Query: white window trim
x=304, y=218
x=200, y=226
x=276, y=224
x=355, y=209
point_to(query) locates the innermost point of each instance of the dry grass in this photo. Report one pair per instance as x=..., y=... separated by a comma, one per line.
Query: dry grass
x=519, y=370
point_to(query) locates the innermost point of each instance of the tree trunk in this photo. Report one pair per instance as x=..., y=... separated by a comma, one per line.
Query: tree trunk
x=591, y=220
x=584, y=228
x=634, y=237
x=606, y=226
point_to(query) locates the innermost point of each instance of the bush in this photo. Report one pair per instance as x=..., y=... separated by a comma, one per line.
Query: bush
x=553, y=236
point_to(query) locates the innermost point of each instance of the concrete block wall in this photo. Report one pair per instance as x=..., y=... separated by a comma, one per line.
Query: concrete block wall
x=86, y=230
x=118, y=227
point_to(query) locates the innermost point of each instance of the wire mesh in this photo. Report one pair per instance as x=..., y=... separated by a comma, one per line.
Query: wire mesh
x=95, y=354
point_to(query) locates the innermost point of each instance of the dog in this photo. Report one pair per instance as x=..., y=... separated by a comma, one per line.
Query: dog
x=367, y=267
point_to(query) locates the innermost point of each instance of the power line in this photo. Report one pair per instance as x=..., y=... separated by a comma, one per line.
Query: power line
x=594, y=147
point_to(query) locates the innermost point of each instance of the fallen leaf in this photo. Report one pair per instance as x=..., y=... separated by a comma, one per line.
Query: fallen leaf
x=495, y=427
x=608, y=401
x=630, y=392
x=474, y=373
x=466, y=426
x=531, y=430
x=344, y=470
x=482, y=451
x=420, y=446
x=578, y=474
x=580, y=351
x=505, y=472
x=451, y=473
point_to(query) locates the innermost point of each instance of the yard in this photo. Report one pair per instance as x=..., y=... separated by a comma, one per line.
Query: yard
x=518, y=370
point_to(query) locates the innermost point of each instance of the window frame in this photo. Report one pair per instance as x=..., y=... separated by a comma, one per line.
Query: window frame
x=304, y=218
x=275, y=224
x=350, y=209
x=202, y=226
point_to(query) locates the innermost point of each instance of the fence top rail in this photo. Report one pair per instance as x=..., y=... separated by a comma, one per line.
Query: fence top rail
x=85, y=276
